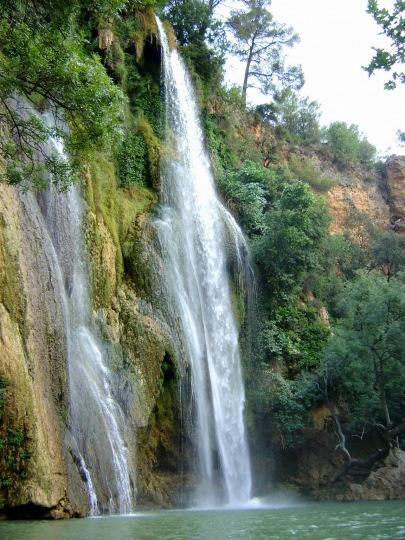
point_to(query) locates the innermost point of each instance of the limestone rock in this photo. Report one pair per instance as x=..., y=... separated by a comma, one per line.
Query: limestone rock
x=396, y=191
x=32, y=356
x=105, y=38
x=384, y=483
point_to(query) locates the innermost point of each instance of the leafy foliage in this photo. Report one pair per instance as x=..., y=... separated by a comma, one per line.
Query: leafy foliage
x=245, y=192
x=44, y=61
x=295, y=227
x=392, y=24
x=296, y=336
x=347, y=145
x=365, y=356
x=296, y=119
x=202, y=40
x=190, y=19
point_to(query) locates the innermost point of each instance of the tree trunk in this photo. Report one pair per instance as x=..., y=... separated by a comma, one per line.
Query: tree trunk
x=381, y=384
x=367, y=464
x=247, y=70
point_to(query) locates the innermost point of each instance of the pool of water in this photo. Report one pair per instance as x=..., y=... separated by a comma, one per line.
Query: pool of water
x=299, y=521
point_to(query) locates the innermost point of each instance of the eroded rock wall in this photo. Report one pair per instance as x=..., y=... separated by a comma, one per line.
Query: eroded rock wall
x=129, y=307
x=32, y=364
x=135, y=334
x=395, y=180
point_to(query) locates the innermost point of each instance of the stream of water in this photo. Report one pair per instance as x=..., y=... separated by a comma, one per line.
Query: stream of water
x=192, y=228
x=96, y=422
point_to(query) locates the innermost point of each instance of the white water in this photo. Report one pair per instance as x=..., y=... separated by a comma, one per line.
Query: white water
x=96, y=420
x=192, y=229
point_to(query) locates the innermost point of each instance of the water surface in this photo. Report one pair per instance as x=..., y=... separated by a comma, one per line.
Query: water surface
x=315, y=521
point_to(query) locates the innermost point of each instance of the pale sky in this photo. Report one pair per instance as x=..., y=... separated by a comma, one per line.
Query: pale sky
x=336, y=40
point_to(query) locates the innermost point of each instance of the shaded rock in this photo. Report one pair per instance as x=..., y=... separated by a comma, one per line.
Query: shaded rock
x=32, y=357
x=395, y=176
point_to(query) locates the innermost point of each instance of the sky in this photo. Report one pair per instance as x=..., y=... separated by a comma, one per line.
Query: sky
x=336, y=39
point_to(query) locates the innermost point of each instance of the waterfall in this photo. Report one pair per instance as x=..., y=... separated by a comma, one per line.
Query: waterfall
x=192, y=227
x=96, y=421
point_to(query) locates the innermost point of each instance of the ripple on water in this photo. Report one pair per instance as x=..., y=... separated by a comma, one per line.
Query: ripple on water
x=359, y=521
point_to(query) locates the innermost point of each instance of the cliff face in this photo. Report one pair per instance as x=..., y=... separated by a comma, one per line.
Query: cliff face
x=380, y=196
x=34, y=462
x=42, y=477
x=395, y=180
x=132, y=317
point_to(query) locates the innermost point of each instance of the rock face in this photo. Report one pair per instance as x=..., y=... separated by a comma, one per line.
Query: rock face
x=395, y=178
x=381, y=197
x=356, y=189
x=313, y=467
x=122, y=260
x=32, y=362
x=385, y=483
x=125, y=272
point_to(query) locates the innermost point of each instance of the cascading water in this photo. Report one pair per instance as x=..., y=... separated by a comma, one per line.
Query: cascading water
x=96, y=420
x=191, y=230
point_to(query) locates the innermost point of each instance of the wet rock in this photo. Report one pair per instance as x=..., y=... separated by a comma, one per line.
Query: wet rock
x=395, y=175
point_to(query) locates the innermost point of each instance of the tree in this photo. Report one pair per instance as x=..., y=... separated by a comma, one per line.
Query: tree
x=364, y=363
x=202, y=38
x=190, y=20
x=290, y=244
x=388, y=252
x=42, y=63
x=346, y=144
x=212, y=4
x=259, y=43
x=393, y=26
x=296, y=117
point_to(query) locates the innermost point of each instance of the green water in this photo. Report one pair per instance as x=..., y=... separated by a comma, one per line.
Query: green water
x=317, y=521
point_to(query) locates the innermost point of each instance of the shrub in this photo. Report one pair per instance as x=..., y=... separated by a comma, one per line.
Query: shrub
x=138, y=156
x=295, y=118
x=305, y=170
x=347, y=145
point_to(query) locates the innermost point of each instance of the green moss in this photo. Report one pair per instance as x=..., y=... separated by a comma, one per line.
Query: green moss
x=170, y=34
x=145, y=27
x=14, y=451
x=238, y=306
x=305, y=170
x=139, y=156
x=115, y=60
x=131, y=202
x=9, y=279
x=117, y=209
x=159, y=445
x=152, y=145
x=3, y=395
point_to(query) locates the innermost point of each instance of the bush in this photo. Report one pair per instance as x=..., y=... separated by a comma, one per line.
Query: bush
x=295, y=118
x=290, y=245
x=133, y=166
x=245, y=192
x=138, y=156
x=347, y=145
x=305, y=170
